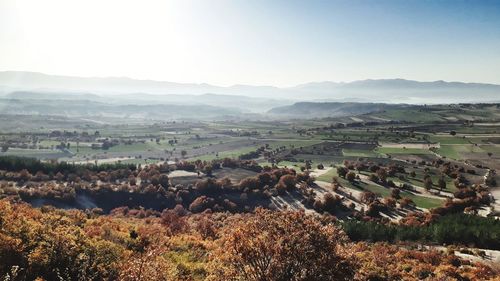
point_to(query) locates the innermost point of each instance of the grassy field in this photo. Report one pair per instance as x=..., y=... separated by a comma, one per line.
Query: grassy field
x=235, y=153
x=328, y=141
x=368, y=135
x=359, y=153
x=449, y=151
x=423, y=202
x=328, y=176
x=420, y=201
x=409, y=115
x=37, y=153
x=397, y=150
x=418, y=181
x=293, y=143
x=449, y=139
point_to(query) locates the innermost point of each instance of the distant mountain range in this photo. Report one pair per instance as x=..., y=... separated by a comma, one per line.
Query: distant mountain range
x=260, y=98
x=40, y=94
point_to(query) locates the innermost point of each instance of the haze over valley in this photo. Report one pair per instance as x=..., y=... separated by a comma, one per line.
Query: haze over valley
x=37, y=93
x=272, y=140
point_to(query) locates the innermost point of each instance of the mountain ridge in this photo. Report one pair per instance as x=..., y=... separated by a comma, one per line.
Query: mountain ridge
x=368, y=90
x=339, y=83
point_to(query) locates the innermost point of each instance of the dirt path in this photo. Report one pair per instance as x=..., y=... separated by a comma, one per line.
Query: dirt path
x=410, y=145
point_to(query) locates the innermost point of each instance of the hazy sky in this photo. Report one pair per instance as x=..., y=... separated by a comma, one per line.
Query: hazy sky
x=268, y=42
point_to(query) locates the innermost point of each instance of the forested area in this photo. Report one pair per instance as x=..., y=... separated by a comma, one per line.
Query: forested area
x=219, y=229
x=33, y=165
x=461, y=229
x=53, y=244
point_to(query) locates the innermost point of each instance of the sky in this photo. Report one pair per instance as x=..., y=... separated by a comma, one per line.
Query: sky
x=256, y=42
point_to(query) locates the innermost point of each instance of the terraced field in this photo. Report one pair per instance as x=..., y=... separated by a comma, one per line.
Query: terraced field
x=425, y=202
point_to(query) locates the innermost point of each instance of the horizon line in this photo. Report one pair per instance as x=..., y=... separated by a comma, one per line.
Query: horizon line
x=239, y=84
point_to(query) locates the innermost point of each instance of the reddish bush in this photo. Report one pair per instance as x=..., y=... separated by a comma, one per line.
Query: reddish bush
x=201, y=203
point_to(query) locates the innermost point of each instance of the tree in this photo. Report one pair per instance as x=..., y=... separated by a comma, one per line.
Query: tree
x=132, y=180
x=428, y=183
x=308, y=165
x=59, y=177
x=201, y=203
x=174, y=220
x=163, y=180
x=24, y=175
x=395, y=193
x=148, y=264
x=330, y=202
x=406, y=202
x=351, y=176
x=282, y=246
x=250, y=183
x=342, y=172
x=51, y=246
x=373, y=178
x=288, y=182
x=367, y=197
x=208, y=170
x=208, y=186
x=390, y=202
x=382, y=174
x=441, y=183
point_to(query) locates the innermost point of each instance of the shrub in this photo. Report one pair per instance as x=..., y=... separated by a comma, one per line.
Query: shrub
x=351, y=176
x=282, y=246
x=201, y=203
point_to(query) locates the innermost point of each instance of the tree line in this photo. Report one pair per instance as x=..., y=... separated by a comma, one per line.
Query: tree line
x=33, y=165
x=461, y=229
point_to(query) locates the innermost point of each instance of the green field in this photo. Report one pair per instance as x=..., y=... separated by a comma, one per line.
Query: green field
x=423, y=202
x=397, y=150
x=420, y=201
x=359, y=153
x=293, y=143
x=418, y=181
x=409, y=115
x=328, y=176
x=449, y=140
